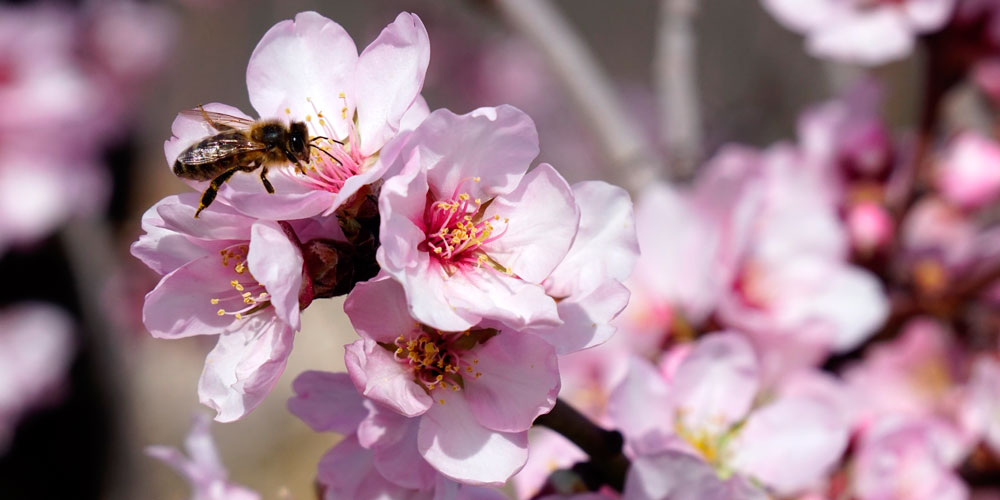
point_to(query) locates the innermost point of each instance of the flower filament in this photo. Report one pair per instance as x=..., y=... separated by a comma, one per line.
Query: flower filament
x=457, y=229
x=247, y=296
x=331, y=162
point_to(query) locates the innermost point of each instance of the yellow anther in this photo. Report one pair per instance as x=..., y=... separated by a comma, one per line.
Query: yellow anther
x=309, y=118
x=464, y=196
x=479, y=201
x=247, y=294
x=479, y=374
x=441, y=401
x=221, y=312
x=215, y=301
x=475, y=179
x=288, y=111
x=238, y=316
x=341, y=95
x=437, y=249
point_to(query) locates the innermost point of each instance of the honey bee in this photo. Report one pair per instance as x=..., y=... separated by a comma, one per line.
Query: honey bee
x=242, y=145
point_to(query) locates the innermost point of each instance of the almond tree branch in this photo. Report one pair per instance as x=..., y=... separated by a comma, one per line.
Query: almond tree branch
x=676, y=82
x=604, y=447
x=632, y=157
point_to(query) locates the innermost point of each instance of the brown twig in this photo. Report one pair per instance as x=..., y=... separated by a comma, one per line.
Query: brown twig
x=607, y=464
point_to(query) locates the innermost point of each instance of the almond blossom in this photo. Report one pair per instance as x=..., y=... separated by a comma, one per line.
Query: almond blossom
x=695, y=425
x=967, y=176
x=866, y=32
x=378, y=457
x=36, y=349
x=471, y=396
x=466, y=232
x=202, y=468
x=309, y=70
x=230, y=275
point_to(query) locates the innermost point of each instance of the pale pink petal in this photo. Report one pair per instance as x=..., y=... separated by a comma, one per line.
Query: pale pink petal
x=871, y=38
x=605, y=246
x=968, y=174
x=348, y=471
x=519, y=382
x=548, y=452
x=716, y=384
x=327, y=402
x=790, y=444
x=217, y=222
x=163, y=249
x=396, y=455
x=495, y=144
x=541, y=219
x=414, y=116
x=453, y=443
x=487, y=293
x=678, y=476
x=378, y=311
x=379, y=376
x=640, y=408
x=586, y=318
x=181, y=304
x=291, y=199
x=244, y=366
x=303, y=66
x=389, y=76
x=276, y=262
x=926, y=16
x=804, y=15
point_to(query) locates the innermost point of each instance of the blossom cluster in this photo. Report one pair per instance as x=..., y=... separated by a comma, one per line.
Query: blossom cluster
x=468, y=272
x=811, y=320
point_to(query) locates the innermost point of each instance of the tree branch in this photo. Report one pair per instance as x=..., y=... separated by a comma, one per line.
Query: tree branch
x=677, y=88
x=589, y=88
x=607, y=462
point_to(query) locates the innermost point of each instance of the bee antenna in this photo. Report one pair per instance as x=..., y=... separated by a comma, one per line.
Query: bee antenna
x=321, y=150
x=318, y=137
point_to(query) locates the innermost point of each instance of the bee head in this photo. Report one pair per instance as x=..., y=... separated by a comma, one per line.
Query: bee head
x=298, y=141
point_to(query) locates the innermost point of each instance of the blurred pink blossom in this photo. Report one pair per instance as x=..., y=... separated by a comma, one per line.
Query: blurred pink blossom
x=870, y=227
x=915, y=375
x=908, y=459
x=861, y=31
x=36, y=349
x=704, y=425
x=202, y=468
x=967, y=174
x=983, y=411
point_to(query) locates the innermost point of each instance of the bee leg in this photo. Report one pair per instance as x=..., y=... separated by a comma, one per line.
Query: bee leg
x=213, y=188
x=214, y=124
x=263, y=179
x=295, y=161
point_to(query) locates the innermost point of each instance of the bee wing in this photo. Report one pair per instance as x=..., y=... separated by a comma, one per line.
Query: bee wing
x=218, y=147
x=218, y=121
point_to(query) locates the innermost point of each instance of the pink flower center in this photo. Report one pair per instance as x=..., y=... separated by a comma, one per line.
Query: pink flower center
x=247, y=295
x=435, y=358
x=331, y=162
x=457, y=229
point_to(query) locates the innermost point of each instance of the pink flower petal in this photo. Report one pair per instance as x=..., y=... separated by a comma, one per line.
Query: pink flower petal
x=495, y=144
x=378, y=311
x=486, y=293
x=605, y=246
x=301, y=64
x=379, y=376
x=678, y=476
x=453, y=443
x=181, y=304
x=871, y=38
x=244, y=366
x=541, y=219
x=716, y=384
x=519, y=382
x=640, y=408
x=396, y=455
x=327, y=402
x=390, y=74
x=276, y=262
x=586, y=318
x=790, y=444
